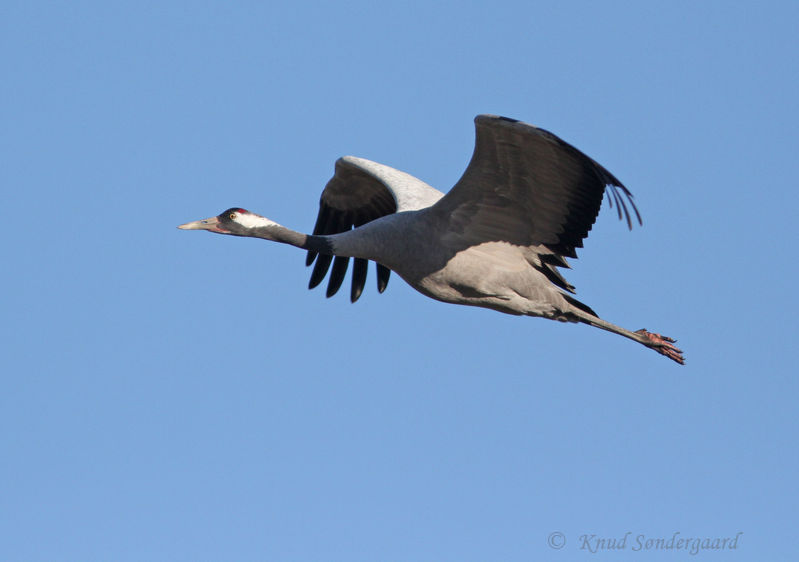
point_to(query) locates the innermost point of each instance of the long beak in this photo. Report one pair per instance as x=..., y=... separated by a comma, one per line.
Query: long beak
x=211, y=224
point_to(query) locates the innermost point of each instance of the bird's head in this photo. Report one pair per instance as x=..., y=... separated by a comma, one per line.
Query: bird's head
x=235, y=221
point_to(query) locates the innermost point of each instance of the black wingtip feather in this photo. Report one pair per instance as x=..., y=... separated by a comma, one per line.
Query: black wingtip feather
x=360, y=267
x=337, y=275
x=637, y=214
x=319, y=270
x=615, y=195
x=621, y=206
x=383, y=273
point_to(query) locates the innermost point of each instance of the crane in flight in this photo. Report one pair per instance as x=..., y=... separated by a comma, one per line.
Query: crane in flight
x=525, y=203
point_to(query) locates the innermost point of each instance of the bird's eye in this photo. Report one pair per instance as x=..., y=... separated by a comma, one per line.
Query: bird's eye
x=233, y=216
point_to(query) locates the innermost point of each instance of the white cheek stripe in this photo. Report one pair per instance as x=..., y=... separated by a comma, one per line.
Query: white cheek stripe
x=253, y=221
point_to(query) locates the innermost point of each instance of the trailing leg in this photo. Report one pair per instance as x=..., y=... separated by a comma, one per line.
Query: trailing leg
x=662, y=344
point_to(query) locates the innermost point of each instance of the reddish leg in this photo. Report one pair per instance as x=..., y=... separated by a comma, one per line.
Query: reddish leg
x=664, y=345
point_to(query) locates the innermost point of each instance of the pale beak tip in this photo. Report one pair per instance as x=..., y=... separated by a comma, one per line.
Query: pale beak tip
x=211, y=224
x=196, y=225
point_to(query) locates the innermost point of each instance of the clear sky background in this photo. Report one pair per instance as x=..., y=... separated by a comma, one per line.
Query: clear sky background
x=182, y=396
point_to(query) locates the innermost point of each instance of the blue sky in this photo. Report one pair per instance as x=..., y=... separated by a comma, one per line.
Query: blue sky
x=182, y=396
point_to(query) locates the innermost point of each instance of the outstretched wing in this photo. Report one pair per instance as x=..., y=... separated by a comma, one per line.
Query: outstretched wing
x=526, y=186
x=359, y=192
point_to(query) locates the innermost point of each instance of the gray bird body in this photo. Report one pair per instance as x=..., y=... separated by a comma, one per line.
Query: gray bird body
x=496, y=240
x=496, y=275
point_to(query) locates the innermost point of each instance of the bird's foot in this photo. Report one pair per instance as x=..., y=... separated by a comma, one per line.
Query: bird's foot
x=663, y=345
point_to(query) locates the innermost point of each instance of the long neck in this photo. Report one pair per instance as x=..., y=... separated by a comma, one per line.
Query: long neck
x=279, y=233
x=370, y=241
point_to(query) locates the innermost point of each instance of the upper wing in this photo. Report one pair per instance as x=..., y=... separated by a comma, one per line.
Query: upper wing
x=526, y=186
x=359, y=192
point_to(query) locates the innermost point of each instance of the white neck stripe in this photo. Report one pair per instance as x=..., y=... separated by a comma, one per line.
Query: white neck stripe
x=250, y=220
